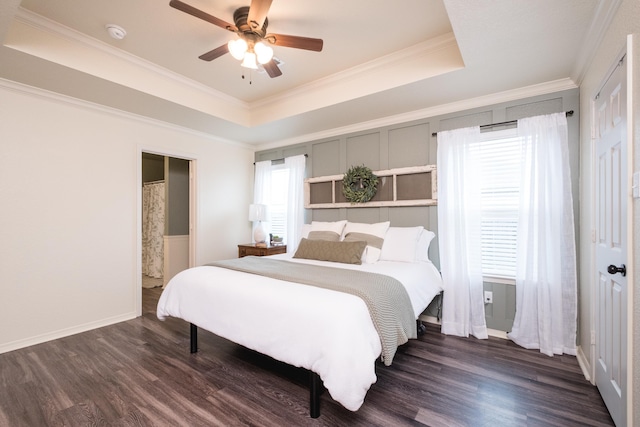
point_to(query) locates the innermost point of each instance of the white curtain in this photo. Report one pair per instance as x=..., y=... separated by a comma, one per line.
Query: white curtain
x=546, y=282
x=459, y=229
x=262, y=189
x=295, y=195
x=153, y=229
x=295, y=200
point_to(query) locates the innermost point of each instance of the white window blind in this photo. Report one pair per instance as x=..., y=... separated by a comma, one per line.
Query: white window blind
x=500, y=159
x=278, y=202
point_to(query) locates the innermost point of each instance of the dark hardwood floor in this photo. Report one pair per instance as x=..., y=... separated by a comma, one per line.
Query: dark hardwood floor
x=140, y=373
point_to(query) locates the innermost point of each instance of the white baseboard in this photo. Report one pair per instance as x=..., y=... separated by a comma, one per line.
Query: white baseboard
x=491, y=332
x=584, y=365
x=50, y=336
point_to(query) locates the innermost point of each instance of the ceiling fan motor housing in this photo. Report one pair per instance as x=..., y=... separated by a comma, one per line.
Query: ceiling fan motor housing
x=240, y=19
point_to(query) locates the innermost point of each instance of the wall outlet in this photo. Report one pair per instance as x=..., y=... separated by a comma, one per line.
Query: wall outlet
x=488, y=297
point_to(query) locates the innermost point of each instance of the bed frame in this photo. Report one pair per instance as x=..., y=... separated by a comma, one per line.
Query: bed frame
x=316, y=388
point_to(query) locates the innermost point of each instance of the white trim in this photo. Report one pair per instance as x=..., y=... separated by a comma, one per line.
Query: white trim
x=65, y=99
x=405, y=66
x=62, y=333
x=500, y=280
x=632, y=134
x=602, y=18
x=409, y=53
x=199, y=96
x=193, y=210
x=491, y=332
x=497, y=334
x=467, y=104
x=47, y=25
x=592, y=247
x=176, y=256
x=583, y=362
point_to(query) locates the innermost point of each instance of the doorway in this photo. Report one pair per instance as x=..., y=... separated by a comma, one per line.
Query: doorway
x=165, y=218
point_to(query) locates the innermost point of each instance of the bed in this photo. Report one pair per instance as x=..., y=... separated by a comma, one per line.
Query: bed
x=328, y=332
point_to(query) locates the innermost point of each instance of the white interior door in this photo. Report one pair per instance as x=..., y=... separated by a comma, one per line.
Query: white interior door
x=611, y=243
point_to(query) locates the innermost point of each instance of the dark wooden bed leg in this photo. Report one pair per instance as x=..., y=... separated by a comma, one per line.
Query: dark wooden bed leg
x=315, y=390
x=194, y=338
x=421, y=328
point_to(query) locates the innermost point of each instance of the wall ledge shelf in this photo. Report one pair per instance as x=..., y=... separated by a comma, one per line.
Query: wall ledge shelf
x=408, y=186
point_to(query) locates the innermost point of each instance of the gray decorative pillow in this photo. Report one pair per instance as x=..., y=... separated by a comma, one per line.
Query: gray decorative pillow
x=324, y=235
x=324, y=250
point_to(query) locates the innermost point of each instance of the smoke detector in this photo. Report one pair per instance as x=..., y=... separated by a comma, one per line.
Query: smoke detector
x=116, y=31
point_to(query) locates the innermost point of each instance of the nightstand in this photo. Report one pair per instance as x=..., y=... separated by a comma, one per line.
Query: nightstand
x=252, y=249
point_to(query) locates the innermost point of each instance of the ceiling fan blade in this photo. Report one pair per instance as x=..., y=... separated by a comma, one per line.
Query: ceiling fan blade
x=295, y=42
x=272, y=69
x=258, y=13
x=177, y=4
x=215, y=53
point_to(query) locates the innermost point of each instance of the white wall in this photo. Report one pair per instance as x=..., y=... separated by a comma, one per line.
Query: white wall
x=69, y=210
x=626, y=21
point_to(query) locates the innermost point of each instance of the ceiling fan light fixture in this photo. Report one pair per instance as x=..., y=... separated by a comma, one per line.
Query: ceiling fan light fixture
x=252, y=45
x=237, y=48
x=250, y=61
x=263, y=52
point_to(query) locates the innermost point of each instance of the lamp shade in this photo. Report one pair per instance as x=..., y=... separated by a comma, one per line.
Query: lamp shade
x=250, y=61
x=237, y=48
x=257, y=212
x=263, y=52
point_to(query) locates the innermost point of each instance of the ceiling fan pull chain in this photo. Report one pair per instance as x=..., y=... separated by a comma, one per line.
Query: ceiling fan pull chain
x=250, y=76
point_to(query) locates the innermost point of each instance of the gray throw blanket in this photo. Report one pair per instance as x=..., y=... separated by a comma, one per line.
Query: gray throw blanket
x=388, y=302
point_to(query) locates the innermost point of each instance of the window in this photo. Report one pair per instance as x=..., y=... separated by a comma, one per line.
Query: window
x=278, y=203
x=500, y=154
x=280, y=186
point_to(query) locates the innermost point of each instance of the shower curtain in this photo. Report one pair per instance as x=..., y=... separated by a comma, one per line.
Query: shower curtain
x=153, y=229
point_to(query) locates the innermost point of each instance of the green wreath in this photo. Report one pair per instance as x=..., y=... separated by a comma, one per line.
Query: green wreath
x=359, y=184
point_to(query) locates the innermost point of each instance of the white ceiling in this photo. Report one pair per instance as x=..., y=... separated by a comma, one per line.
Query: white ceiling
x=382, y=61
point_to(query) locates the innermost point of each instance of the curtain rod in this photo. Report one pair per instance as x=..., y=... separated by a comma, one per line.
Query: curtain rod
x=282, y=159
x=510, y=122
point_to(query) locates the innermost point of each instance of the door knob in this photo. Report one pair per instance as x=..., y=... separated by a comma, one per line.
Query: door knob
x=612, y=269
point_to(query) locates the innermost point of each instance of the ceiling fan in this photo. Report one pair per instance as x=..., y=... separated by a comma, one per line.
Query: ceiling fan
x=251, y=27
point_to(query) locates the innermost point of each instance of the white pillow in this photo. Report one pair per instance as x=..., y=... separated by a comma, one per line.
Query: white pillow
x=401, y=244
x=422, y=252
x=373, y=234
x=326, y=230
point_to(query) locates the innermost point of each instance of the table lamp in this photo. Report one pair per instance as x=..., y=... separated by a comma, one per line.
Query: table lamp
x=258, y=212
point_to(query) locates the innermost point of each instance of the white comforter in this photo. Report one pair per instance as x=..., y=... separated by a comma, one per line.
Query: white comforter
x=327, y=332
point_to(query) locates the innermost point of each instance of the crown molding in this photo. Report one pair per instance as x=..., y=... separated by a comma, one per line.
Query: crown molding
x=602, y=18
x=44, y=24
x=68, y=100
x=418, y=62
x=482, y=101
x=175, y=87
x=427, y=47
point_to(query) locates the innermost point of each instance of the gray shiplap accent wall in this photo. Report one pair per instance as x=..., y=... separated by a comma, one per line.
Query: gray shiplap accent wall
x=411, y=144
